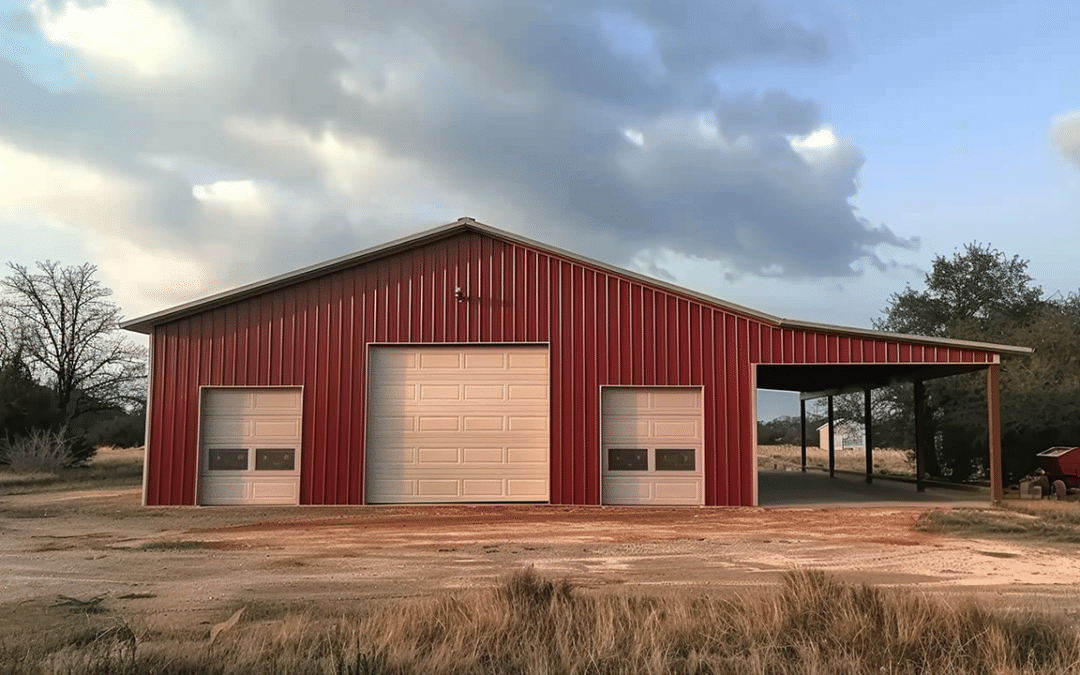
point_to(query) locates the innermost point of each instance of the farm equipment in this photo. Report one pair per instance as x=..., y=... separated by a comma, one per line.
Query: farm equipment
x=1057, y=473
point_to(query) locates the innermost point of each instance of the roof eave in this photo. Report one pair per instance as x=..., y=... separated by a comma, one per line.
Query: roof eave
x=1010, y=350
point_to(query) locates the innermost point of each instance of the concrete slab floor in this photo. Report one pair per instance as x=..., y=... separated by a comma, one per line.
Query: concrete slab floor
x=815, y=488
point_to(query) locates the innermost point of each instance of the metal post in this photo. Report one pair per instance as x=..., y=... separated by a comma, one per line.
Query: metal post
x=868, y=438
x=993, y=425
x=802, y=414
x=832, y=442
x=920, y=435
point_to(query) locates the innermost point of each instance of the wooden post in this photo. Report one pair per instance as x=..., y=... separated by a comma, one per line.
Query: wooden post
x=832, y=442
x=993, y=425
x=920, y=435
x=868, y=438
x=802, y=415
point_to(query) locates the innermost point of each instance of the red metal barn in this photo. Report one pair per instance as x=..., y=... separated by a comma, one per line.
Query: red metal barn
x=467, y=364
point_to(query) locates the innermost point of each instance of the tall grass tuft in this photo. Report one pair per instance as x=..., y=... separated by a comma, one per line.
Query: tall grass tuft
x=40, y=451
x=530, y=625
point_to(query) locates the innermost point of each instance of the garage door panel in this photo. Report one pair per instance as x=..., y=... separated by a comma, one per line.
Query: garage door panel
x=527, y=490
x=473, y=487
x=484, y=420
x=439, y=455
x=536, y=361
x=394, y=491
x=438, y=487
x=440, y=360
x=226, y=429
x=624, y=429
x=431, y=423
x=527, y=393
x=484, y=455
x=484, y=393
x=527, y=455
x=390, y=455
x=675, y=399
x=269, y=401
x=483, y=423
x=620, y=489
x=276, y=430
x=395, y=393
x=275, y=491
x=440, y=392
x=676, y=429
x=486, y=360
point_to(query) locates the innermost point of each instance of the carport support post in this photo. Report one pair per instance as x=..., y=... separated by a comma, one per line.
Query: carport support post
x=802, y=415
x=920, y=435
x=993, y=425
x=832, y=442
x=868, y=438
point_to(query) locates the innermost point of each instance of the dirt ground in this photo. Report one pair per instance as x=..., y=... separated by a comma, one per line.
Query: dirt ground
x=181, y=567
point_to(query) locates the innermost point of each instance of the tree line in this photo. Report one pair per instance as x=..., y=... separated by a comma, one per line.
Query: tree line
x=65, y=367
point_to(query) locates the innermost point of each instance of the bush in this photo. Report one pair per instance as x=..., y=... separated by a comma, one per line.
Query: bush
x=126, y=430
x=40, y=451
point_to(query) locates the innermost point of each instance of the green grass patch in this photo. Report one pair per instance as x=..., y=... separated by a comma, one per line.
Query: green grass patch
x=1047, y=521
x=535, y=625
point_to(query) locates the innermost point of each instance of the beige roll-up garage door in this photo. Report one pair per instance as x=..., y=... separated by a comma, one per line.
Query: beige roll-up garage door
x=250, y=448
x=653, y=440
x=457, y=424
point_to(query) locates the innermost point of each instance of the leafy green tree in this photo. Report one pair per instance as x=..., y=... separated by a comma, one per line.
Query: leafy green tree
x=975, y=295
x=786, y=430
x=981, y=294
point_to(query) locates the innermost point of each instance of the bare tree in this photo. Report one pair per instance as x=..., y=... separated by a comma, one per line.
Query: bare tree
x=68, y=335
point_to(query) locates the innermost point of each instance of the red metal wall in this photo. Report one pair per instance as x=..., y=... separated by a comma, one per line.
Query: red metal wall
x=603, y=329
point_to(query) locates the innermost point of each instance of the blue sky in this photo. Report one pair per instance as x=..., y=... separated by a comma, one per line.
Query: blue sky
x=806, y=158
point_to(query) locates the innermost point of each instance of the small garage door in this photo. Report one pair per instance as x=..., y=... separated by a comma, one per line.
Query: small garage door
x=457, y=424
x=250, y=450
x=652, y=446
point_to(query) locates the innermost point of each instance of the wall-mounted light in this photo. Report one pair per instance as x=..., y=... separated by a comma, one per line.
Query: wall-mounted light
x=460, y=295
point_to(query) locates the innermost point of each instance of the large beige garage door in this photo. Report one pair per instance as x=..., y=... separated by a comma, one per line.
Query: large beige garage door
x=457, y=424
x=250, y=449
x=652, y=440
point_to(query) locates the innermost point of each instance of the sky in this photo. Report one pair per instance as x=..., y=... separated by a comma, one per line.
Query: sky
x=807, y=158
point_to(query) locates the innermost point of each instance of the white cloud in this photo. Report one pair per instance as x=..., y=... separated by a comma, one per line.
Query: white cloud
x=1065, y=135
x=821, y=138
x=146, y=279
x=61, y=190
x=139, y=35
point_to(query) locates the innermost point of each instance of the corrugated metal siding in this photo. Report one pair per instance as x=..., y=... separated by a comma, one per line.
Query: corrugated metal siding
x=603, y=329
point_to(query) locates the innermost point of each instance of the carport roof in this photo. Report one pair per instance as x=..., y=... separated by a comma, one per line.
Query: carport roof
x=817, y=380
x=145, y=324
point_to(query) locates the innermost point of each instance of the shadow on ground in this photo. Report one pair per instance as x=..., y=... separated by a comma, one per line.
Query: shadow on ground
x=815, y=488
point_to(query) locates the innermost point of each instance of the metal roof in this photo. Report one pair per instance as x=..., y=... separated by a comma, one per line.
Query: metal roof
x=146, y=323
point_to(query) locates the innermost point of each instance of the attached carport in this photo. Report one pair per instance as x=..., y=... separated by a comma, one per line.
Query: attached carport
x=826, y=380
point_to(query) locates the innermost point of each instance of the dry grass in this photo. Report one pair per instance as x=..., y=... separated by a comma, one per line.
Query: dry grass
x=1030, y=520
x=110, y=467
x=533, y=625
x=887, y=461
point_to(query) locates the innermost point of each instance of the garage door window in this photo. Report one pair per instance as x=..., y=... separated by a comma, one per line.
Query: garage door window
x=628, y=459
x=228, y=459
x=675, y=459
x=275, y=459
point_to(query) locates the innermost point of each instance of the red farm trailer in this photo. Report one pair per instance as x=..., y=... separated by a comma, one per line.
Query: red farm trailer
x=1061, y=463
